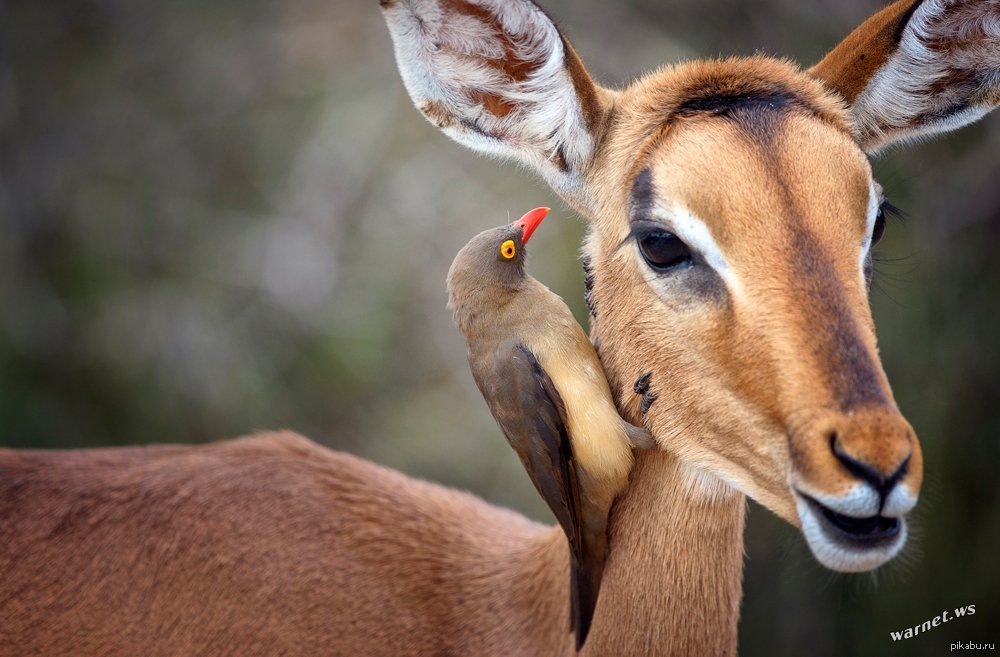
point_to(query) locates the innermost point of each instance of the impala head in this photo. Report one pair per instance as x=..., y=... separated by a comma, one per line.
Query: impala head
x=734, y=267
x=733, y=211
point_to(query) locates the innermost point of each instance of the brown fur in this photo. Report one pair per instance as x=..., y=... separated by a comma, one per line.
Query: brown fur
x=850, y=65
x=546, y=388
x=791, y=310
x=264, y=546
x=761, y=389
x=510, y=64
x=272, y=545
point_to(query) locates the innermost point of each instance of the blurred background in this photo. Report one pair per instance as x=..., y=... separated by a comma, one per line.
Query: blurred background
x=217, y=218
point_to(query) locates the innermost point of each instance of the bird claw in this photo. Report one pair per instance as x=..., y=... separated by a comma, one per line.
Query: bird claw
x=640, y=437
x=641, y=387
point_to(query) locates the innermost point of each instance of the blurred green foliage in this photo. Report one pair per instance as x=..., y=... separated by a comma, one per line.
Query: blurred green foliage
x=223, y=217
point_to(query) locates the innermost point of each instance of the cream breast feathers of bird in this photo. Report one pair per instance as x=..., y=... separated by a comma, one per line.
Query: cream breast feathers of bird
x=600, y=442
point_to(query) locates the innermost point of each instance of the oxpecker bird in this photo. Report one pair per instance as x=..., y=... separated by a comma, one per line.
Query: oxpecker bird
x=547, y=390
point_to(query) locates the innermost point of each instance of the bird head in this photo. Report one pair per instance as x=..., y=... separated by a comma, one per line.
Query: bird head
x=491, y=265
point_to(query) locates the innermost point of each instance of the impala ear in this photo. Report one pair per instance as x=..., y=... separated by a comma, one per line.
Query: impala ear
x=498, y=77
x=918, y=67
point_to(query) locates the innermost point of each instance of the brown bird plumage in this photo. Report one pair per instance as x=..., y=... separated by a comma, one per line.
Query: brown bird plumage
x=546, y=388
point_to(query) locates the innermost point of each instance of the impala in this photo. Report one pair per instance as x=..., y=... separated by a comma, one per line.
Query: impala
x=732, y=212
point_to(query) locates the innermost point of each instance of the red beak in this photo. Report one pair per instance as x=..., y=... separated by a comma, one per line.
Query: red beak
x=529, y=222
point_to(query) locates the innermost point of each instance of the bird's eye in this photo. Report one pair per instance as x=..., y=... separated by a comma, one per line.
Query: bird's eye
x=878, y=230
x=508, y=250
x=662, y=250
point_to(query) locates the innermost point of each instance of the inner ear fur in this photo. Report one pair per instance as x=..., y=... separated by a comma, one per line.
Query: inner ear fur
x=917, y=68
x=498, y=76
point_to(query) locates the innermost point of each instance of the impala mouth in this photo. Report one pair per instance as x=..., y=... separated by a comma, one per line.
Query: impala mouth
x=847, y=543
x=873, y=529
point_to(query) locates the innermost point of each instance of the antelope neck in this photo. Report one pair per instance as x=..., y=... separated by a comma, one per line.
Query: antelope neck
x=673, y=581
x=674, y=578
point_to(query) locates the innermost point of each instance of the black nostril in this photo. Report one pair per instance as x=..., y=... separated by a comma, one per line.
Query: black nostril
x=882, y=483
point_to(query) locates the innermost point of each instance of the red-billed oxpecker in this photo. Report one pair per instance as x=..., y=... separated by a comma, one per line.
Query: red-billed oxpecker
x=547, y=390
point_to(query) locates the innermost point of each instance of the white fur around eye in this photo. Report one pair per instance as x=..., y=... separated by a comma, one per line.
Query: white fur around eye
x=695, y=233
x=874, y=203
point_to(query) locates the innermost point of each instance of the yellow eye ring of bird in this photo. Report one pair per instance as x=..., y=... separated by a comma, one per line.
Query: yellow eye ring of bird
x=508, y=250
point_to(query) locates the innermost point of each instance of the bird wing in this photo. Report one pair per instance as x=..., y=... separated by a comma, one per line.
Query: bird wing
x=529, y=410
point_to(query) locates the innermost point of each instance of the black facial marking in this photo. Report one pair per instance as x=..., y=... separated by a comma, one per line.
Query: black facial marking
x=588, y=286
x=757, y=113
x=730, y=105
x=851, y=371
x=643, y=199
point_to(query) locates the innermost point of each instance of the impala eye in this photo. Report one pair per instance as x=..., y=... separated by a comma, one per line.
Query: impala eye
x=663, y=250
x=878, y=230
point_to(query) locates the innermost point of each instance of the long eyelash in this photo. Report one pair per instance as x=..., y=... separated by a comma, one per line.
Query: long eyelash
x=882, y=263
x=881, y=289
x=885, y=282
x=642, y=227
x=893, y=211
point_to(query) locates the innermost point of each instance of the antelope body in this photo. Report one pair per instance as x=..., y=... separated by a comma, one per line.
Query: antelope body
x=272, y=545
x=732, y=210
x=268, y=545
